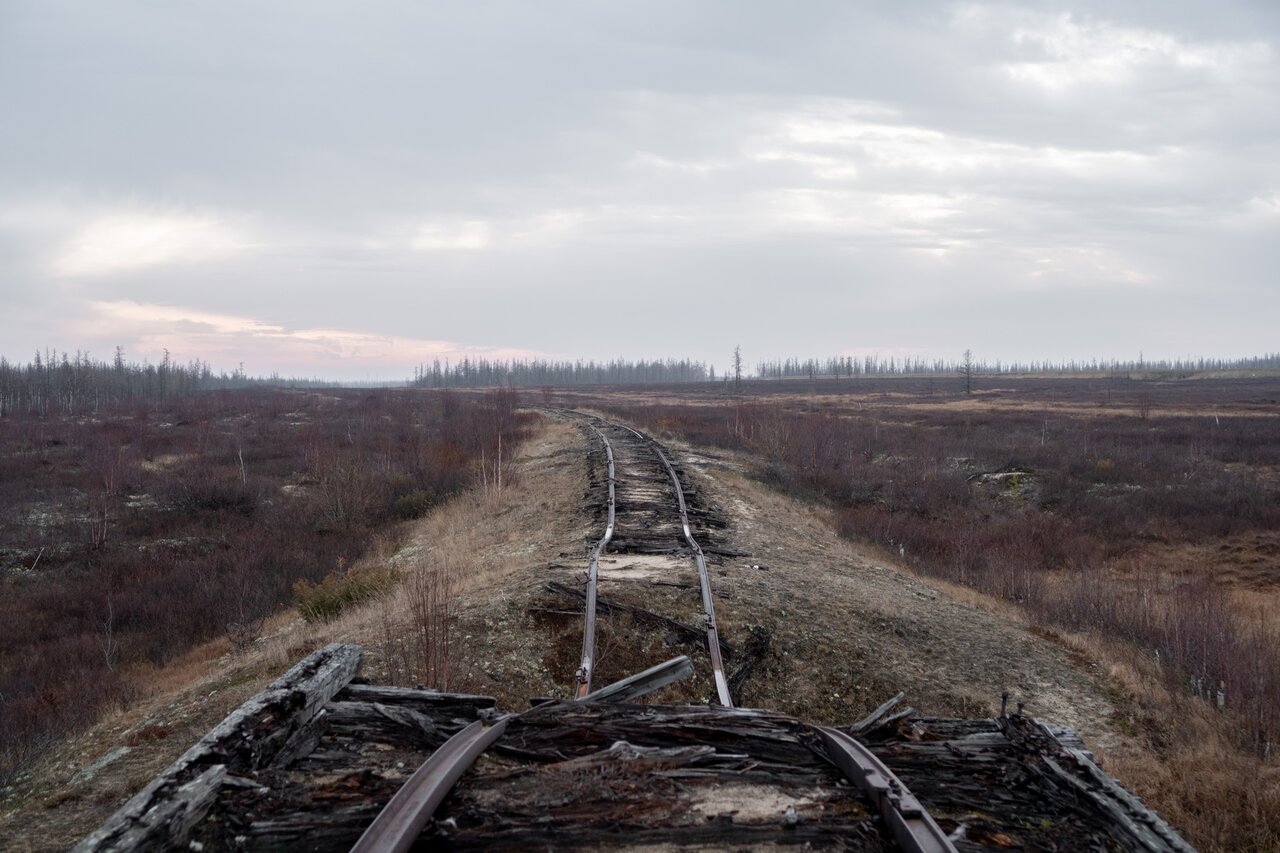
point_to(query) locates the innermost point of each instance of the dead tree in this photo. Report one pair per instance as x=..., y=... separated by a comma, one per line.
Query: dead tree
x=966, y=370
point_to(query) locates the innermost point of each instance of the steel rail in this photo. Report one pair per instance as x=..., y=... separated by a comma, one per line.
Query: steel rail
x=704, y=579
x=398, y=825
x=403, y=818
x=643, y=683
x=587, y=666
x=912, y=827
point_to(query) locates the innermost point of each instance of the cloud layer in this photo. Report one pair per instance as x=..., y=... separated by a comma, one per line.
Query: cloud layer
x=1070, y=179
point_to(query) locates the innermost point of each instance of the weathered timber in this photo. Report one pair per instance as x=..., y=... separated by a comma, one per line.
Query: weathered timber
x=1131, y=823
x=633, y=544
x=325, y=829
x=389, y=723
x=631, y=775
x=421, y=700
x=685, y=632
x=251, y=737
x=591, y=775
x=305, y=740
x=872, y=720
x=991, y=782
x=710, y=833
x=562, y=732
x=893, y=719
x=173, y=816
x=1068, y=738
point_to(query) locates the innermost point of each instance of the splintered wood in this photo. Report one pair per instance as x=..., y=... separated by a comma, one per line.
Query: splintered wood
x=312, y=761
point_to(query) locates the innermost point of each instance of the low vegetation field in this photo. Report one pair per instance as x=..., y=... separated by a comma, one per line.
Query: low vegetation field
x=130, y=534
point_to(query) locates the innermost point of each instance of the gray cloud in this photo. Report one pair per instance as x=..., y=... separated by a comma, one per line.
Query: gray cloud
x=594, y=179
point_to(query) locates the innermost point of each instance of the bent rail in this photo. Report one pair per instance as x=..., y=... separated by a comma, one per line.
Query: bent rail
x=704, y=579
x=593, y=574
x=912, y=827
x=398, y=825
x=403, y=818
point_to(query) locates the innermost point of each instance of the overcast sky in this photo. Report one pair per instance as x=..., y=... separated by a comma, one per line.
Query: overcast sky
x=346, y=189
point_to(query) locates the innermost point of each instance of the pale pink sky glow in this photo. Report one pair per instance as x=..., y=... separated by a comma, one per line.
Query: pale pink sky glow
x=225, y=340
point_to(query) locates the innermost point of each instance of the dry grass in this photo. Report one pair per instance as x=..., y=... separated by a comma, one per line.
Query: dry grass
x=1187, y=766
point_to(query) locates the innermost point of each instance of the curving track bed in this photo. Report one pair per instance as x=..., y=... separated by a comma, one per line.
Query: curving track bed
x=649, y=535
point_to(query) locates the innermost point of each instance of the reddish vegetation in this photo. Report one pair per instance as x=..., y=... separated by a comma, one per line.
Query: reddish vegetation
x=1050, y=492
x=128, y=536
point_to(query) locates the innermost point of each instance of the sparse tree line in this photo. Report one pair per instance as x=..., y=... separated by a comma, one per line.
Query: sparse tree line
x=55, y=383
x=874, y=365
x=483, y=373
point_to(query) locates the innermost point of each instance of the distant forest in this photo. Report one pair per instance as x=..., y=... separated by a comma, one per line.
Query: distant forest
x=66, y=383
x=483, y=373
x=62, y=383
x=875, y=366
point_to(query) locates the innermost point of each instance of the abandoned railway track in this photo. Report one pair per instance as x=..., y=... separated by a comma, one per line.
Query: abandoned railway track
x=325, y=760
x=654, y=519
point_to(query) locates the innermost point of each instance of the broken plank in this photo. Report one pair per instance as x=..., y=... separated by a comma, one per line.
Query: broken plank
x=427, y=701
x=247, y=739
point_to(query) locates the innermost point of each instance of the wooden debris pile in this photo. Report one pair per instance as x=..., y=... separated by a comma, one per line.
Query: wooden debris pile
x=1015, y=782
x=311, y=762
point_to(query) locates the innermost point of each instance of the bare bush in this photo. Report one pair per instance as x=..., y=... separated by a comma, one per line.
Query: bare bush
x=432, y=597
x=243, y=635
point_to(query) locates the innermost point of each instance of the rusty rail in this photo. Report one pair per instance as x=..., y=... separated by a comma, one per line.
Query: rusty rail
x=585, y=669
x=402, y=820
x=397, y=826
x=912, y=827
x=704, y=579
x=642, y=683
